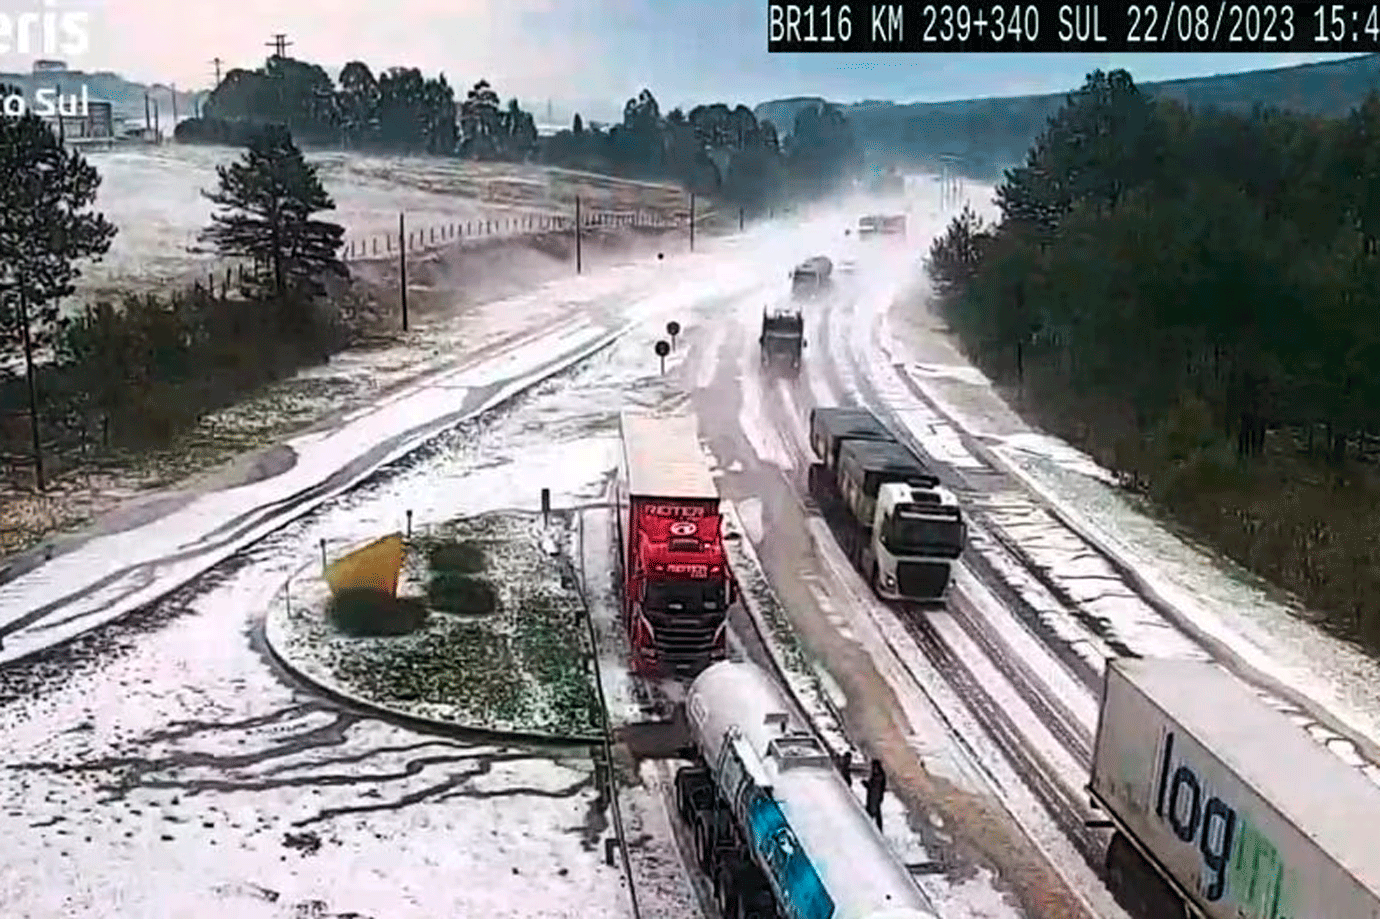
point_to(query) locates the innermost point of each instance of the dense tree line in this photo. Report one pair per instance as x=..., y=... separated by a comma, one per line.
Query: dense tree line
x=713, y=149
x=1195, y=295
x=718, y=150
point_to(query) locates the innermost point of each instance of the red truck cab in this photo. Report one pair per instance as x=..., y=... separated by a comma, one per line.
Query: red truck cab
x=676, y=583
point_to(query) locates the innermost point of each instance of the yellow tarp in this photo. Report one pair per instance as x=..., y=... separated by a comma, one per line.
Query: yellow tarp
x=372, y=567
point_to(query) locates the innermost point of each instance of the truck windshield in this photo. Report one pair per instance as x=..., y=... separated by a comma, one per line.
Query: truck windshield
x=686, y=595
x=922, y=536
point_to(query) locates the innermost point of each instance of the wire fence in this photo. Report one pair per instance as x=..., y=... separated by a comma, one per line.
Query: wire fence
x=378, y=245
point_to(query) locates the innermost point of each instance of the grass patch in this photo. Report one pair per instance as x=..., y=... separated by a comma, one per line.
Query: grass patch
x=455, y=557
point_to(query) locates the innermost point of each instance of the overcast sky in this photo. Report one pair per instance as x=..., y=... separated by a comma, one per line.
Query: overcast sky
x=573, y=51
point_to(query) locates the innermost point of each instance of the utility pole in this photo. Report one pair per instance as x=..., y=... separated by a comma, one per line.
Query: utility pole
x=579, y=256
x=692, y=221
x=216, y=62
x=33, y=384
x=280, y=44
x=402, y=266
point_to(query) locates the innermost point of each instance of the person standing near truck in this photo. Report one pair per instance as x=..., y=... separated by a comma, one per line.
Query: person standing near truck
x=846, y=766
x=875, y=784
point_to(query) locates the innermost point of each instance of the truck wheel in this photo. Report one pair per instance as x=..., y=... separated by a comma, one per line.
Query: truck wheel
x=704, y=844
x=726, y=889
x=874, y=579
x=688, y=781
x=1138, y=886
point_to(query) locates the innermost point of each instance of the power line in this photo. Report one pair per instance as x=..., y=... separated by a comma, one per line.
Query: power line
x=279, y=44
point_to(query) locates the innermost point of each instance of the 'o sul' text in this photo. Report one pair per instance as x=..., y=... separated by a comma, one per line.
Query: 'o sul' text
x=47, y=102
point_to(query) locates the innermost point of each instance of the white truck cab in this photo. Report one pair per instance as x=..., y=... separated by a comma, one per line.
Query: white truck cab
x=916, y=535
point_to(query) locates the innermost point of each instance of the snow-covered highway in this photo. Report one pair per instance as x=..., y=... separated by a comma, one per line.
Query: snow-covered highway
x=158, y=748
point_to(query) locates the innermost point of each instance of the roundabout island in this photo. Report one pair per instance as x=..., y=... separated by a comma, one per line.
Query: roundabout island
x=475, y=624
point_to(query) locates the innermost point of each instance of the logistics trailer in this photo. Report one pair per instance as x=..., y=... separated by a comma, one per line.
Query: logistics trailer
x=900, y=527
x=1223, y=807
x=676, y=583
x=775, y=827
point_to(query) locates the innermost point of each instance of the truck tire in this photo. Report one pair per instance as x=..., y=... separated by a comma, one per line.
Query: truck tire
x=704, y=845
x=712, y=833
x=689, y=781
x=1137, y=886
x=726, y=888
x=755, y=899
x=874, y=581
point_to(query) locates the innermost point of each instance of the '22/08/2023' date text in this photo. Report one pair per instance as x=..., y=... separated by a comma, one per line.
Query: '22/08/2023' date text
x=1110, y=25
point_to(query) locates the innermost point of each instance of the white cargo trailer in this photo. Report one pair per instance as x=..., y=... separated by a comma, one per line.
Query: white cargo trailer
x=1231, y=803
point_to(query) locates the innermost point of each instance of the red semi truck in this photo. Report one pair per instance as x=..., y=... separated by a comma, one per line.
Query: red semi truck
x=676, y=584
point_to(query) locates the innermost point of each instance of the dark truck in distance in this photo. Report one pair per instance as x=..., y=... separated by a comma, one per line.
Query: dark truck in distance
x=812, y=278
x=782, y=338
x=900, y=527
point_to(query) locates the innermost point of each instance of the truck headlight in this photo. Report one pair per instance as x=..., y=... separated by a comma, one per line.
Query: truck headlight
x=889, y=581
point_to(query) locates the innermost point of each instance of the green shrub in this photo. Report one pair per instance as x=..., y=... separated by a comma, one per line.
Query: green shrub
x=449, y=592
x=456, y=558
x=365, y=612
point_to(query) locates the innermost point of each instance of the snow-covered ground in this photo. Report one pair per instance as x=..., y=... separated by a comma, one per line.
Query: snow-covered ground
x=165, y=769
x=153, y=195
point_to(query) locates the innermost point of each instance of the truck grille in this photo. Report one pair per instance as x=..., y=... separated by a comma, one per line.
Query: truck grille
x=684, y=643
x=922, y=580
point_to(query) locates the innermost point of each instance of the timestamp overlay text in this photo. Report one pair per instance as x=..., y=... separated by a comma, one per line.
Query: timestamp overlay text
x=1165, y=26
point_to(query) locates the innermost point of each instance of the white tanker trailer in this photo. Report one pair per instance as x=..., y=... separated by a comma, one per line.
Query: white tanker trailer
x=775, y=827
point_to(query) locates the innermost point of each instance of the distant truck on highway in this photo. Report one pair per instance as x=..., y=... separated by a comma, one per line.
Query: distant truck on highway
x=901, y=529
x=677, y=586
x=882, y=225
x=812, y=277
x=1223, y=807
x=783, y=337
x=775, y=827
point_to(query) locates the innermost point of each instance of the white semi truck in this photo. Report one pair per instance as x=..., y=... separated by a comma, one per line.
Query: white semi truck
x=900, y=527
x=1223, y=808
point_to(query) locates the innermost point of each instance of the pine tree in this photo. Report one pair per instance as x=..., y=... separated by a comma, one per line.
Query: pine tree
x=267, y=199
x=46, y=226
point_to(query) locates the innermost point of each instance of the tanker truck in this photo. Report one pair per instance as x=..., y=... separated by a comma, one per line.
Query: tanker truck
x=1223, y=807
x=898, y=526
x=775, y=827
x=676, y=583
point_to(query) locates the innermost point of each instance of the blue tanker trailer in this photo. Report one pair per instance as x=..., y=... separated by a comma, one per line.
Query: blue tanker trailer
x=775, y=828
